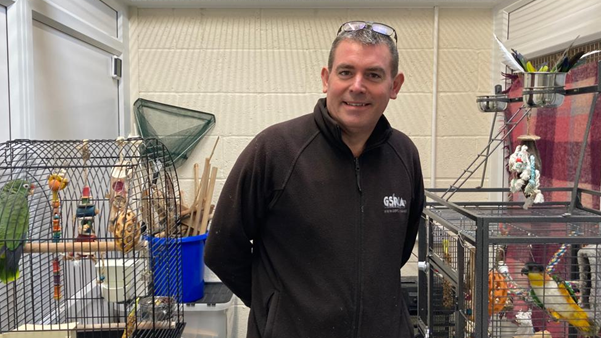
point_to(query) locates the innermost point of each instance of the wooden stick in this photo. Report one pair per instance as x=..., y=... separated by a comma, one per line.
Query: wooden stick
x=203, y=190
x=214, y=146
x=207, y=206
x=76, y=247
x=193, y=207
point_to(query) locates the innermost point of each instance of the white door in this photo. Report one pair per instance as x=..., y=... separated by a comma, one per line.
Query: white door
x=60, y=57
x=4, y=101
x=75, y=94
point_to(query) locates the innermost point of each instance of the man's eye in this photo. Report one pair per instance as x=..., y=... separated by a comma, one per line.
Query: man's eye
x=375, y=75
x=344, y=73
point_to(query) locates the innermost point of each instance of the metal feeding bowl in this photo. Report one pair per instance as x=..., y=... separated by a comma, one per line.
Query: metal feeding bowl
x=492, y=103
x=543, y=89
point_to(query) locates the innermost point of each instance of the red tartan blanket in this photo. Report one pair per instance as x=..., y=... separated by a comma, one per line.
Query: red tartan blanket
x=561, y=130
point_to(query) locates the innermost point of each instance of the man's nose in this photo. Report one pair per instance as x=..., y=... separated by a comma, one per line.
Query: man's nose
x=358, y=85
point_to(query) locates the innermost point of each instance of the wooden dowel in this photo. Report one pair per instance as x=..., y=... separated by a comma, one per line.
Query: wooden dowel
x=203, y=190
x=207, y=206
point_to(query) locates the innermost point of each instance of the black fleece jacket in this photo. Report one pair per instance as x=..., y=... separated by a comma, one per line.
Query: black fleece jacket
x=311, y=238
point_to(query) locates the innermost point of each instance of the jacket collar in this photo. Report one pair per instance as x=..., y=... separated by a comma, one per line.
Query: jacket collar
x=333, y=133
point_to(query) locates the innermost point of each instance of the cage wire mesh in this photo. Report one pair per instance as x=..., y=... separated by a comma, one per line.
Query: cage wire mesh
x=100, y=240
x=497, y=270
x=179, y=129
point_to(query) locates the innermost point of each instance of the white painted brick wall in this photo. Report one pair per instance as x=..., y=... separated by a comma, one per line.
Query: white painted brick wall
x=256, y=67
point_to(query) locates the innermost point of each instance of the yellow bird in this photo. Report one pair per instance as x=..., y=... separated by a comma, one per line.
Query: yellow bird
x=554, y=296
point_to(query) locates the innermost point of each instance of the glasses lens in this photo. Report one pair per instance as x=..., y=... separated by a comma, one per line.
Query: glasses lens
x=353, y=26
x=376, y=27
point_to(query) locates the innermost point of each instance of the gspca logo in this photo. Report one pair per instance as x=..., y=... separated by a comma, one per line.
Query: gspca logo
x=393, y=204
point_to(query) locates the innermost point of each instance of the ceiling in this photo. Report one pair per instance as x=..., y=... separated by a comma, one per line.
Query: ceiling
x=310, y=3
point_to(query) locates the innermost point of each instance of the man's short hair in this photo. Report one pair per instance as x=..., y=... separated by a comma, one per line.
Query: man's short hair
x=367, y=37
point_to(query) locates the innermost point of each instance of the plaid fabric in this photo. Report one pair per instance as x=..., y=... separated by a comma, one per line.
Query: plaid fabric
x=561, y=130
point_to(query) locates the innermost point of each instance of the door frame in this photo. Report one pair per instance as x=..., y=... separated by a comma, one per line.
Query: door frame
x=20, y=16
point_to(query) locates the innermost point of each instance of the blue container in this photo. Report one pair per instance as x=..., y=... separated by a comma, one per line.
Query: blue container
x=164, y=255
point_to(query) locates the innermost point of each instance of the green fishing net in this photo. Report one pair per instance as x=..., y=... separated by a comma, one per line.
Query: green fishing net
x=179, y=129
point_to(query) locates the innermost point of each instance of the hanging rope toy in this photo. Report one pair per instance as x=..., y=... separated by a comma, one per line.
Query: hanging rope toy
x=56, y=182
x=525, y=176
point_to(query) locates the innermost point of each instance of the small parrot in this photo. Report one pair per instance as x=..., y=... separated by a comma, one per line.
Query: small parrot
x=14, y=224
x=558, y=298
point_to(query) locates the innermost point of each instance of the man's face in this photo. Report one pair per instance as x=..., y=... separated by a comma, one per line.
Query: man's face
x=359, y=86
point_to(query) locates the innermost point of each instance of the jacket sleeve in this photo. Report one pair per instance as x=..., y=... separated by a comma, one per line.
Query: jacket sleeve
x=228, y=251
x=415, y=212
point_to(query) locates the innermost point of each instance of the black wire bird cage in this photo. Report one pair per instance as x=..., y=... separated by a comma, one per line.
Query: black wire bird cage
x=101, y=236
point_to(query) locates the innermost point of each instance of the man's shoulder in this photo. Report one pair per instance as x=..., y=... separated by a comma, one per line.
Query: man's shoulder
x=294, y=130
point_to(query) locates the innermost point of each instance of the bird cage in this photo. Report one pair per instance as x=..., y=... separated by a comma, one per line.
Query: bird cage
x=496, y=269
x=89, y=235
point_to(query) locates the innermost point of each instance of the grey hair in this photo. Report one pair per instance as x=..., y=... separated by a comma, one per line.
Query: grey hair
x=367, y=37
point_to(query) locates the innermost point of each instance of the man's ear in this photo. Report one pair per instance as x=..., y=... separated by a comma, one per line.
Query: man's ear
x=397, y=83
x=325, y=74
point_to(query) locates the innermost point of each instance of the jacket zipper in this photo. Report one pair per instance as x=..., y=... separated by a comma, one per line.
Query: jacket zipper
x=358, y=291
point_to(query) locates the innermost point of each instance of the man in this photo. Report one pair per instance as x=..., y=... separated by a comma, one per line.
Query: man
x=320, y=213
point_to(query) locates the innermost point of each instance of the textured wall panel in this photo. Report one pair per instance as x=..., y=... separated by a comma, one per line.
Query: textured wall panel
x=411, y=113
x=454, y=154
x=248, y=114
x=459, y=116
x=316, y=60
x=454, y=75
x=485, y=67
x=156, y=28
x=234, y=146
x=464, y=28
x=417, y=67
x=300, y=29
x=225, y=29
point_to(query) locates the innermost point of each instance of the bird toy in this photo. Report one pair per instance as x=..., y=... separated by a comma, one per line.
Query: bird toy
x=86, y=210
x=119, y=186
x=556, y=258
x=525, y=176
x=102, y=274
x=56, y=182
x=497, y=292
x=56, y=272
x=447, y=289
x=14, y=226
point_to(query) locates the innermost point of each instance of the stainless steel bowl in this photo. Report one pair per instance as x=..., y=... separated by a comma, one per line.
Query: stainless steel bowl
x=543, y=89
x=492, y=103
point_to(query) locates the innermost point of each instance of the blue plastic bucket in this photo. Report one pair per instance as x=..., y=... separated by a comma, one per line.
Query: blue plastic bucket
x=164, y=253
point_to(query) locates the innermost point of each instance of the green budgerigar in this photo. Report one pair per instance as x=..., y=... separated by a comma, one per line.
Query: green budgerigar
x=14, y=224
